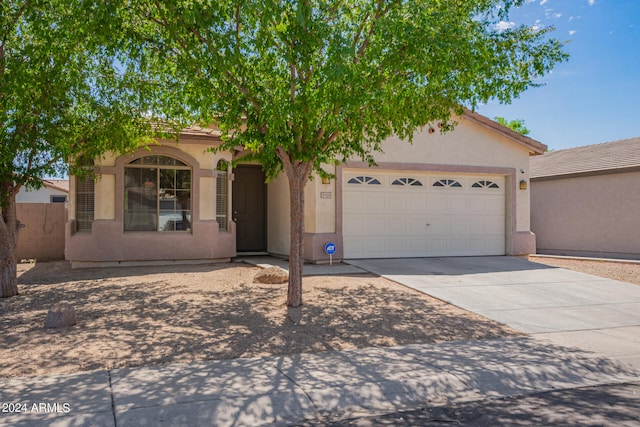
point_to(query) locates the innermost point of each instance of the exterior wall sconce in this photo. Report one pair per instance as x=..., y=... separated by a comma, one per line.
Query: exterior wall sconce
x=523, y=185
x=326, y=180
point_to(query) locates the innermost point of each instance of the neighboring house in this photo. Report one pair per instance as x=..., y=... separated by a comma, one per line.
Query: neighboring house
x=459, y=194
x=585, y=201
x=44, y=215
x=53, y=191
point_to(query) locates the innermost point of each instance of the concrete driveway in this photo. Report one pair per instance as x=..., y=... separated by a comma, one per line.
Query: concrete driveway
x=563, y=306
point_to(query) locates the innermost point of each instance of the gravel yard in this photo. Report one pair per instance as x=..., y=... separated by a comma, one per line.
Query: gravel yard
x=623, y=271
x=138, y=316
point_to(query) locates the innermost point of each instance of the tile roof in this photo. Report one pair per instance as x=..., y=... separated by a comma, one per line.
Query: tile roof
x=608, y=156
x=58, y=184
x=535, y=147
x=198, y=131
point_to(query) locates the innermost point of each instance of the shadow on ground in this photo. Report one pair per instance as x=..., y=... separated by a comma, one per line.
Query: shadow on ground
x=594, y=406
x=449, y=266
x=156, y=315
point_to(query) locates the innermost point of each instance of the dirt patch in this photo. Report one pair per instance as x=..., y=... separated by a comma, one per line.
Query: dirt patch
x=153, y=315
x=625, y=272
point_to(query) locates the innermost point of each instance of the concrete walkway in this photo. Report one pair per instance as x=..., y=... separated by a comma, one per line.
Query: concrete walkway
x=291, y=389
x=562, y=306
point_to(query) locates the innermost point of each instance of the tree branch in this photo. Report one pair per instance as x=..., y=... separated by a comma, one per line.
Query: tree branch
x=15, y=19
x=380, y=12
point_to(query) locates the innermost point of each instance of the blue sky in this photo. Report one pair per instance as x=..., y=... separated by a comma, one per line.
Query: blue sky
x=594, y=97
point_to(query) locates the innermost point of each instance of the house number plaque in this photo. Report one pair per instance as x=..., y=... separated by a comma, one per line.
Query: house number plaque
x=325, y=194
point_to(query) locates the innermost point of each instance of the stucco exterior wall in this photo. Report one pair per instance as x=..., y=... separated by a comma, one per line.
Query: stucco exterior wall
x=587, y=216
x=42, y=195
x=207, y=198
x=108, y=243
x=42, y=238
x=105, y=190
x=320, y=217
x=469, y=144
x=469, y=149
x=278, y=218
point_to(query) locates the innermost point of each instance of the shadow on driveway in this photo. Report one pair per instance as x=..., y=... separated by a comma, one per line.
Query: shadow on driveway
x=450, y=266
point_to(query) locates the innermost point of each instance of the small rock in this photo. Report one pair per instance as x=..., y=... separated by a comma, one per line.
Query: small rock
x=271, y=275
x=61, y=315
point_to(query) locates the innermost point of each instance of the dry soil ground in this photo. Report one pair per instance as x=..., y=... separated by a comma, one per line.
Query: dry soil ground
x=623, y=271
x=152, y=315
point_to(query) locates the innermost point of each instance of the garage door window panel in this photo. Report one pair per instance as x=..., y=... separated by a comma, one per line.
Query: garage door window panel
x=409, y=182
x=447, y=183
x=367, y=180
x=485, y=184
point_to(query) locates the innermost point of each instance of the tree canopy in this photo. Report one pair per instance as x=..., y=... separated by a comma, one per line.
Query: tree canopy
x=300, y=84
x=61, y=97
x=323, y=80
x=516, y=125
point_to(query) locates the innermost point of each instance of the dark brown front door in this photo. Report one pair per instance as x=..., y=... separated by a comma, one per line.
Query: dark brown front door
x=249, y=208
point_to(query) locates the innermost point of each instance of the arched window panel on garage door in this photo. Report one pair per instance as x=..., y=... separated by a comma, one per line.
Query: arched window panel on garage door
x=447, y=183
x=485, y=184
x=412, y=182
x=368, y=180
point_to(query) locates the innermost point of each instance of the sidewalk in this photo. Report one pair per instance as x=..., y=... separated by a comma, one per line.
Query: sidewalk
x=286, y=390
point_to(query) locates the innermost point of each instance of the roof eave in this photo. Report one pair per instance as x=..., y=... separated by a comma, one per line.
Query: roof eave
x=580, y=174
x=53, y=186
x=534, y=147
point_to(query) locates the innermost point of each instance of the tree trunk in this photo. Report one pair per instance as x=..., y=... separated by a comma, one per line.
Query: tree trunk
x=8, y=278
x=9, y=229
x=296, y=250
x=298, y=175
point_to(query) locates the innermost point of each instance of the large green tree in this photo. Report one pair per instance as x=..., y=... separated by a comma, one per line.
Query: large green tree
x=300, y=84
x=61, y=97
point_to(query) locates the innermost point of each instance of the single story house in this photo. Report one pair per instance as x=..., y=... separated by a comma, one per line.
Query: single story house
x=53, y=191
x=462, y=193
x=585, y=201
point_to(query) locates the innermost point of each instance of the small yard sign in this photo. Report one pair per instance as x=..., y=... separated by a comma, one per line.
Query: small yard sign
x=330, y=249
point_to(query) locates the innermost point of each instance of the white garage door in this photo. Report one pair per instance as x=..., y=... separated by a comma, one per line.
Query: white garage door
x=403, y=214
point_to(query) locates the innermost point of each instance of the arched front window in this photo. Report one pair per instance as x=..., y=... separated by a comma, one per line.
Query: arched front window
x=157, y=194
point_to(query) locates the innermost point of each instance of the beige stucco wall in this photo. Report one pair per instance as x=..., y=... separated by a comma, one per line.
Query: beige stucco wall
x=319, y=219
x=42, y=195
x=108, y=243
x=278, y=218
x=590, y=215
x=105, y=190
x=207, y=197
x=320, y=206
x=108, y=159
x=469, y=144
x=470, y=148
x=42, y=237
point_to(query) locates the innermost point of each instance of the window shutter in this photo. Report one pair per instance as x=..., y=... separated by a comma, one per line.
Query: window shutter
x=85, y=204
x=222, y=200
